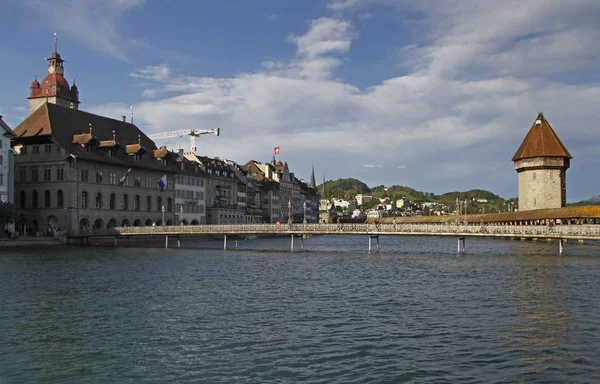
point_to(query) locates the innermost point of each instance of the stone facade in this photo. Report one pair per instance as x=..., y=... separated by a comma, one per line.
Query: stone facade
x=7, y=171
x=542, y=186
x=541, y=162
x=83, y=195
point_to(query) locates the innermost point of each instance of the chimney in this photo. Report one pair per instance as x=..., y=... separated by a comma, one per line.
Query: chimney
x=123, y=118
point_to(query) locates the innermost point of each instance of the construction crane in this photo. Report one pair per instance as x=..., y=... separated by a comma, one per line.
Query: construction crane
x=192, y=133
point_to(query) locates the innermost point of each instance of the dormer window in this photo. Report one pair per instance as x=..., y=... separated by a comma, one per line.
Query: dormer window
x=137, y=157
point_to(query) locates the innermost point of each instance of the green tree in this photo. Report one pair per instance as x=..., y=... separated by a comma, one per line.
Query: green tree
x=8, y=214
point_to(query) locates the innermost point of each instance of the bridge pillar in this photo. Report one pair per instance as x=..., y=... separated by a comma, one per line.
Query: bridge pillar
x=292, y=244
x=373, y=237
x=166, y=241
x=560, y=246
x=225, y=241
x=302, y=243
x=461, y=239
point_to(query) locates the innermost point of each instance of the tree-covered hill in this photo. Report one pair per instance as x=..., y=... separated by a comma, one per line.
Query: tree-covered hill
x=343, y=188
x=348, y=188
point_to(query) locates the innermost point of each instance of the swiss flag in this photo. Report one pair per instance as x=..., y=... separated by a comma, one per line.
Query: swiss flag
x=276, y=150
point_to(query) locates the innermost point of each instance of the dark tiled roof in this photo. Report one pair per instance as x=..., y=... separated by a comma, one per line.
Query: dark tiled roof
x=541, y=141
x=65, y=125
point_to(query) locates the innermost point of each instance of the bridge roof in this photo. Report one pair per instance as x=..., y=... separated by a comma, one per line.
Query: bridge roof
x=576, y=212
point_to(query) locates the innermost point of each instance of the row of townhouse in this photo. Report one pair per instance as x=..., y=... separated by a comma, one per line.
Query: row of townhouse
x=111, y=175
x=285, y=198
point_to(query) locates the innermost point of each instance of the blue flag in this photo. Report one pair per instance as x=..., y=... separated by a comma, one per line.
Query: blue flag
x=162, y=183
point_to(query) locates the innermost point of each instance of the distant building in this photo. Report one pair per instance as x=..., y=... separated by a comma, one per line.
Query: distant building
x=344, y=204
x=480, y=200
x=542, y=162
x=7, y=167
x=362, y=198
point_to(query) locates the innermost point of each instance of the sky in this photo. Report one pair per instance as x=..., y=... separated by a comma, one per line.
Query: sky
x=435, y=95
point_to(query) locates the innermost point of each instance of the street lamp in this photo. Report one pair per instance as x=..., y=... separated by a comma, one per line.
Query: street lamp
x=289, y=211
x=304, y=206
x=181, y=214
x=163, y=214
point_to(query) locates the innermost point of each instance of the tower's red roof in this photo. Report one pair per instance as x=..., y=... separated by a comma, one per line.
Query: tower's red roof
x=541, y=141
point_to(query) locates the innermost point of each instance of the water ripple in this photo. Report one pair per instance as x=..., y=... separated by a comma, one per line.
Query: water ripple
x=415, y=312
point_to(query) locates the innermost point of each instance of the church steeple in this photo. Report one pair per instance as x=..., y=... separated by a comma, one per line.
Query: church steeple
x=54, y=88
x=312, y=184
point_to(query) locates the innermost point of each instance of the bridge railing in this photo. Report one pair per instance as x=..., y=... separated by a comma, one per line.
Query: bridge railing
x=355, y=228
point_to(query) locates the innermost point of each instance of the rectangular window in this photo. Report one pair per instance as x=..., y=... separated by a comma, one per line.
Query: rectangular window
x=60, y=174
x=22, y=175
x=99, y=177
x=36, y=149
x=0, y=143
x=84, y=175
x=46, y=175
x=138, y=181
x=34, y=175
x=1, y=179
x=24, y=150
x=112, y=178
x=1, y=160
x=48, y=148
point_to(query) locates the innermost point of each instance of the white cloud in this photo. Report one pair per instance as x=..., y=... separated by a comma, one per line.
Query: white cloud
x=326, y=35
x=153, y=72
x=340, y=5
x=93, y=23
x=473, y=91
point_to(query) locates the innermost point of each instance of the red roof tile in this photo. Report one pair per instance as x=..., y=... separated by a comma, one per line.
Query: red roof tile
x=541, y=141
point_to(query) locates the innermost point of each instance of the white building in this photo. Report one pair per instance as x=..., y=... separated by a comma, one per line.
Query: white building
x=7, y=170
x=374, y=213
x=362, y=198
x=345, y=205
x=190, y=192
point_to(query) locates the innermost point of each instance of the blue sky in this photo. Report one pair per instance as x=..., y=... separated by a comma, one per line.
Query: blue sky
x=436, y=95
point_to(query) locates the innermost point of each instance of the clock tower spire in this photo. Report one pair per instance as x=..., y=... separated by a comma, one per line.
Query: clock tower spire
x=54, y=88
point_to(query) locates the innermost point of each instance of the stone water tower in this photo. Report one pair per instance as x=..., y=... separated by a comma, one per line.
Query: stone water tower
x=542, y=162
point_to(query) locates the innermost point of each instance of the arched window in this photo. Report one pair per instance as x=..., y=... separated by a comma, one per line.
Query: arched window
x=23, y=199
x=125, y=202
x=60, y=199
x=47, y=199
x=169, y=205
x=148, y=203
x=136, y=203
x=112, y=201
x=159, y=203
x=99, y=200
x=84, y=199
x=34, y=199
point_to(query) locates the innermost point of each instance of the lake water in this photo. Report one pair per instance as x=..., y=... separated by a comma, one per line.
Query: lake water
x=505, y=311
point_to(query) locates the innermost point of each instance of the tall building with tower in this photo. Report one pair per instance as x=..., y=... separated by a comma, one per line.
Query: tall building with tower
x=542, y=162
x=83, y=172
x=54, y=88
